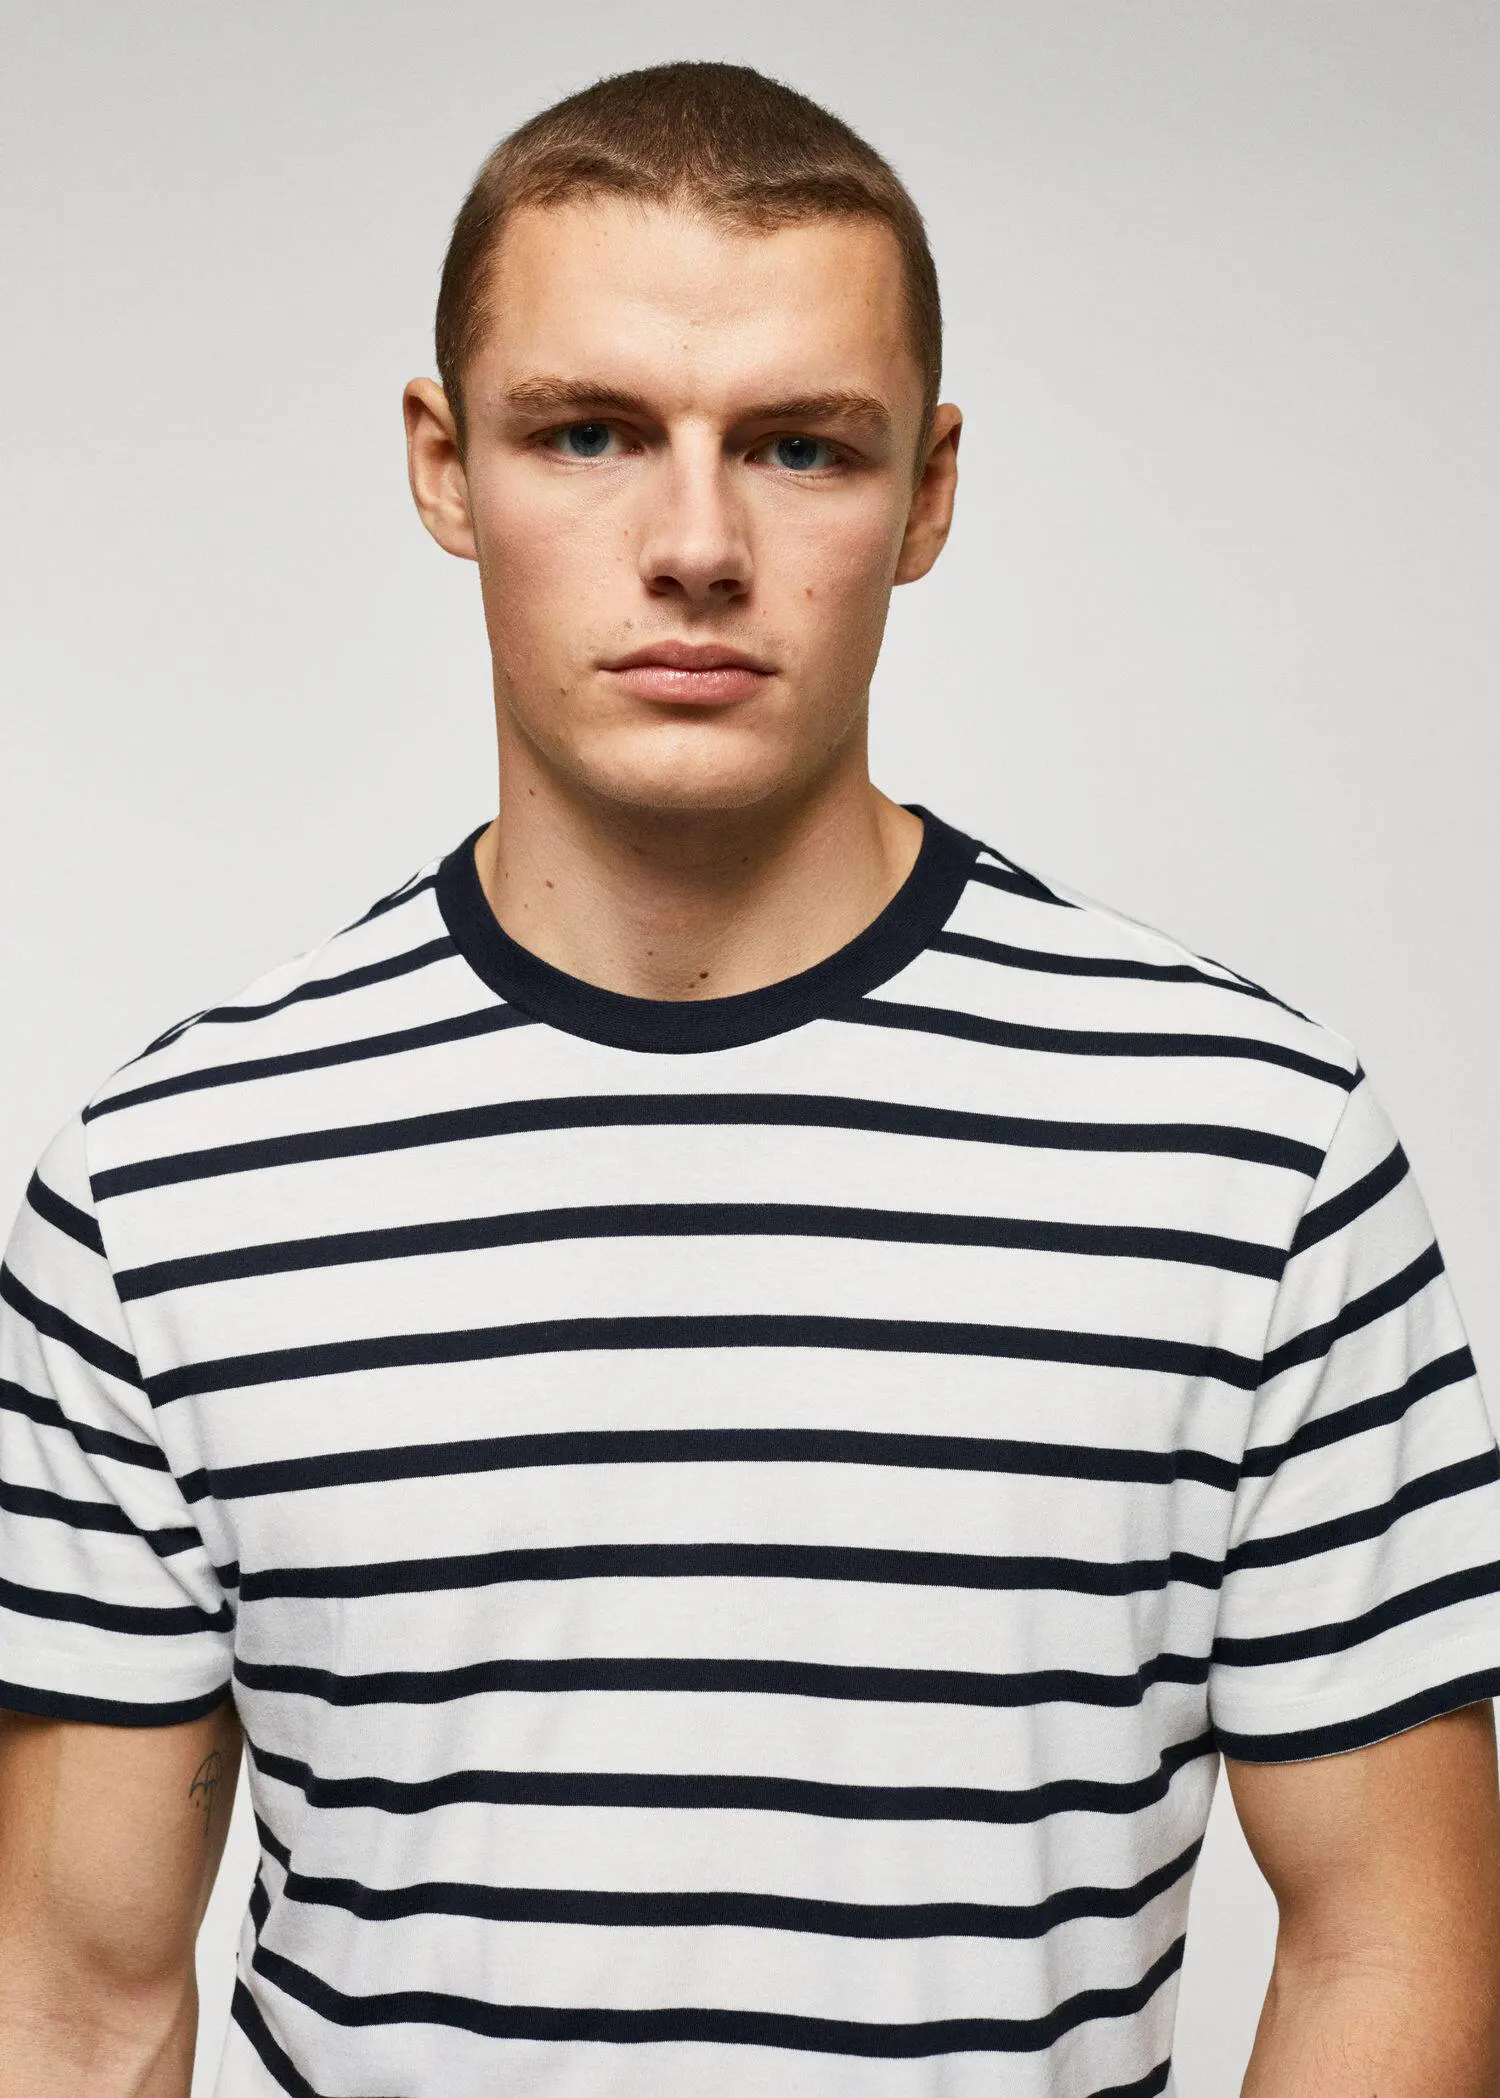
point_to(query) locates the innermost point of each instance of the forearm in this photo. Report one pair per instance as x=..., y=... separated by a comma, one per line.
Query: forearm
x=1384, y=2029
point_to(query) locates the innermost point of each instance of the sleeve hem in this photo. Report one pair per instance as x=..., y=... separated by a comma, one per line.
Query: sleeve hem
x=106, y=1711
x=1335, y=1739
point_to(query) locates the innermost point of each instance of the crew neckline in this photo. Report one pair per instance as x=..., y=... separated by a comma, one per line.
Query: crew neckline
x=918, y=910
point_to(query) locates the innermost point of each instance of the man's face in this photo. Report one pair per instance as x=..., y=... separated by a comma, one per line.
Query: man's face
x=693, y=442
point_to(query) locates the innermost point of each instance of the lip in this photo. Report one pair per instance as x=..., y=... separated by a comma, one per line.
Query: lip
x=688, y=655
x=690, y=673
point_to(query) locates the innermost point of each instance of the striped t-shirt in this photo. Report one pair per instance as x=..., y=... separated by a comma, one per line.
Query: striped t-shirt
x=736, y=1529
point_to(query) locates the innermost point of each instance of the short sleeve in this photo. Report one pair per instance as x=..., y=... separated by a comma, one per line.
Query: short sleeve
x=110, y=1608
x=1361, y=1591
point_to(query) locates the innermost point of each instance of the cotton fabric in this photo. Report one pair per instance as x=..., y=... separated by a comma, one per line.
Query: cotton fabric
x=737, y=1531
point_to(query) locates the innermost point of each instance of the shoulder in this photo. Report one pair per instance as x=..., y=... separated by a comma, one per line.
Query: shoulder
x=371, y=978
x=1034, y=963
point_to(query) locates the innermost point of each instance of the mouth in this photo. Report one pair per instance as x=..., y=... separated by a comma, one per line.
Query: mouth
x=690, y=673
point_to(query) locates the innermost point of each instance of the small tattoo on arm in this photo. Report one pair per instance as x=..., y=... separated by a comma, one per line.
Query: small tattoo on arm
x=204, y=1789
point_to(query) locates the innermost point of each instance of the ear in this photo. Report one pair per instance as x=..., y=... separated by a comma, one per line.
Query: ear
x=435, y=468
x=931, y=510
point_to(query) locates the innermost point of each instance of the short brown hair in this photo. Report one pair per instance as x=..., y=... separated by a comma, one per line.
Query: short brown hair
x=726, y=139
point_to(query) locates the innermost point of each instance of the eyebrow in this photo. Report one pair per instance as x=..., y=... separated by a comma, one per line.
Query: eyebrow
x=861, y=409
x=547, y=395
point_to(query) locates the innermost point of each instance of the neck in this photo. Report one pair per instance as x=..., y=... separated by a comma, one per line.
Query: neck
x=683, y=905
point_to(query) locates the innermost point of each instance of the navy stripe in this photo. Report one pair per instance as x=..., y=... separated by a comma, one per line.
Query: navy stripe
x=1050, y=964
x=1360, y=1418
x=386, y=970
x=678, y=1110
x=1455, y=1695
x=1357, y=1313
x=64, y=1215
x=610, y=1910
x=702, y=1220
x=875, y=1011
x=99, y=1442
x=1342, y=1209
x=368, y=973
x=714, y=1792
x=42, y=1506
x=464, y=1027
x=272, y=1844
x=712, y=1330
x=151, y=1620
x=276, y=2062
x=320, y=987
x=857, y=2037
x=107, y=1711
x=54, y=1324
x=727, y=1677
x=771, y=1562
x=967, y=1453
x=1015, y=881
x=1445, y=1484
x=1151, y=2085
x=1248, y=983
x=164, y=1040
x=416, y=885
x=1445, y=1593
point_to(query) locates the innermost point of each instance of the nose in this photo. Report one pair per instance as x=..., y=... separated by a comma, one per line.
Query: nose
x=695, y=546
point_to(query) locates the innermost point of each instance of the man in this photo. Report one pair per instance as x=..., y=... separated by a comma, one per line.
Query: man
x=737, y=1395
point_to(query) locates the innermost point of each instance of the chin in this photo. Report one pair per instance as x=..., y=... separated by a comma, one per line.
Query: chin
x=689, y=771
x=686, y=791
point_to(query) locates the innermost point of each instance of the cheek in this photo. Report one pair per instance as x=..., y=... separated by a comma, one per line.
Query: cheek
x=839, y=567
x=537, y=561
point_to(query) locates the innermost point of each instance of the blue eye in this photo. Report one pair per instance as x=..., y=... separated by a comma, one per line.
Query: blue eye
x=585, y=440
x=801, y=454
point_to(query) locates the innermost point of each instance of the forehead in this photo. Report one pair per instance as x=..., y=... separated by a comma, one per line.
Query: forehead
x=663, y=298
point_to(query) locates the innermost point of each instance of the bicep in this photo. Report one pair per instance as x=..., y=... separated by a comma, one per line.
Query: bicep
x=109, y=1841
x=1394, y=1848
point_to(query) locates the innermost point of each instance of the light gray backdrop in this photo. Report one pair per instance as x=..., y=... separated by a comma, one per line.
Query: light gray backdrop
x=1214, y=638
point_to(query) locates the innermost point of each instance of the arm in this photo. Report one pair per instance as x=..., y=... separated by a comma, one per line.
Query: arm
x=109, y=1841
x=1385, y=1864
